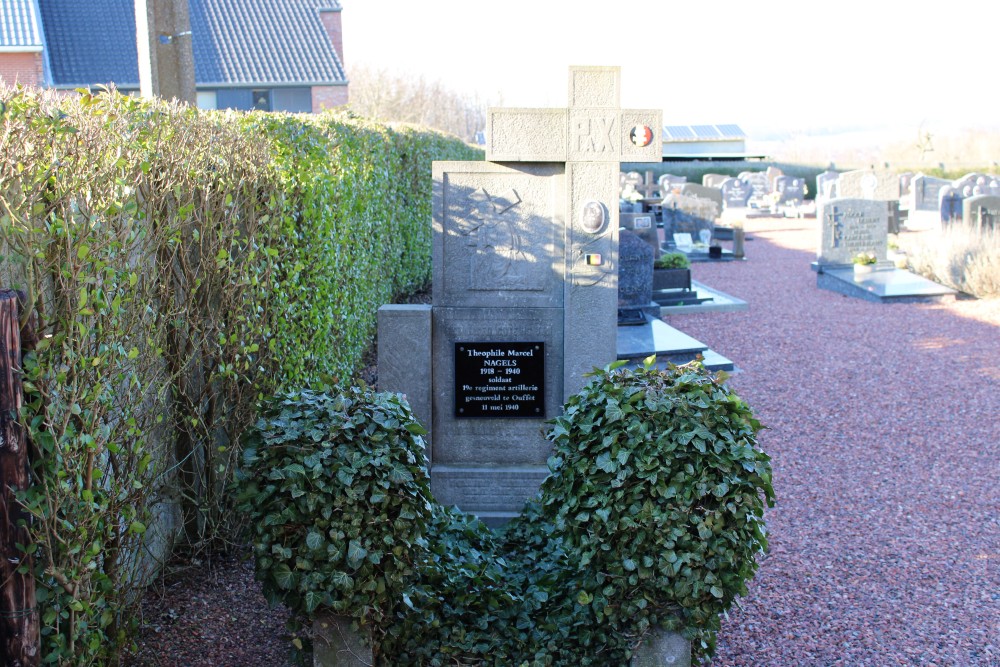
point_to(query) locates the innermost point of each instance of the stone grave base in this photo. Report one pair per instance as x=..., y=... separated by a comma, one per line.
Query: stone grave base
x=678, y=297
x=668, y=344
x=708, y=300
x=884, y=285
x=335, y=644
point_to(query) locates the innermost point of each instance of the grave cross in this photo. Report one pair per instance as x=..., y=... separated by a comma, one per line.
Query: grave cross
x=649, y=186
x=592, y=137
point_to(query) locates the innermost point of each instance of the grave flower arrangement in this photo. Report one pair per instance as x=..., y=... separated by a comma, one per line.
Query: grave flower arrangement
x=864, y=259
x=672, y=260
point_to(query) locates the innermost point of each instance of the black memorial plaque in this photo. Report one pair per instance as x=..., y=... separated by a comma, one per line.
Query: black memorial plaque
x=500, y=380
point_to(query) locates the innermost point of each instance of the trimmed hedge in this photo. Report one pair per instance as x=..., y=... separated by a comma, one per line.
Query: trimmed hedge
x=184, y=265
x=652, y=516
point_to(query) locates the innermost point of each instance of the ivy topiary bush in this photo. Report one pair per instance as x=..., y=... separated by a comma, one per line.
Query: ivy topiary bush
x=656, y=494
x=339, y=497
x=652, y=516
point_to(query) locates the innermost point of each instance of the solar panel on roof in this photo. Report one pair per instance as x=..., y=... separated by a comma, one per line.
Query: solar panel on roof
x=731, y=131
x=705, y=131
x=678, y=132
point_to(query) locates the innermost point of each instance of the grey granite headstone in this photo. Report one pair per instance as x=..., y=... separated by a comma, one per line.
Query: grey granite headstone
x=670, y=183
x=635, y=271
x=630, y=178
x=703, y=192
x=926, y=191
x=758, y=182
x=849, y=227
x=967, y=184
x=735, y=193
x=874, y=184
x=773, y=174
x=981, y=211
x=791, y=190
x=525, y=287
x=826, y=184
x=905, y=182
x=713, y=180
x=643, y=225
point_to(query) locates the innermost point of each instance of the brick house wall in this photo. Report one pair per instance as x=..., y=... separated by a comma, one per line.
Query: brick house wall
x=22, y=67
x=327, y=97
x=335, y=29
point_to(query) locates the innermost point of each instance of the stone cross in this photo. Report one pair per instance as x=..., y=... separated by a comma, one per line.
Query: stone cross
x=592, y=136
x=525, y=291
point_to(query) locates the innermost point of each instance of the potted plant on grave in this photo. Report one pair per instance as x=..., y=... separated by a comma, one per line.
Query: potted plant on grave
x=864, y=262
x=672, y=270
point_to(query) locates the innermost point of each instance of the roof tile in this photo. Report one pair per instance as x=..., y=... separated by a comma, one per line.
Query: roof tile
x=235, y=42
x=19, y=25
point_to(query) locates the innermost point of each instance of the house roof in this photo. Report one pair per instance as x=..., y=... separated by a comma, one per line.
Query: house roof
x=235, y=42
x=19, y=27
x=683, y=133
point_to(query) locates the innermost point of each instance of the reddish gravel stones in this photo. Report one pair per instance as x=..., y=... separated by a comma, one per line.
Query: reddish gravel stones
x=885, y=435
x=884, y=427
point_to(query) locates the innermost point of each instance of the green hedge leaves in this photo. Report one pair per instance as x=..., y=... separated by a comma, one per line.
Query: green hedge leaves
x=652, y=516
x=183, y=265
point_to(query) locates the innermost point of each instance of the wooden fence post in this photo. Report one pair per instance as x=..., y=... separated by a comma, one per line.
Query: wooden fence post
x=19, y=638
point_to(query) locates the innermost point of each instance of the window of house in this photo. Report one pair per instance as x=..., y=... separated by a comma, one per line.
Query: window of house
x=262, y=100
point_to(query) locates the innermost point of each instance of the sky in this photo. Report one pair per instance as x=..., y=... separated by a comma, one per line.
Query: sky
x=770, y=66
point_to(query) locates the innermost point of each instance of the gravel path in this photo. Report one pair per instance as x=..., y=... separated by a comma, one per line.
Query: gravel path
x=884, y=424
x=884, y=429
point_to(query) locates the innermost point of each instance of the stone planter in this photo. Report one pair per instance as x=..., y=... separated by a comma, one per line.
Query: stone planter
x=335, y=644
x=863, y=269
x=663, y=647
x=671, y=279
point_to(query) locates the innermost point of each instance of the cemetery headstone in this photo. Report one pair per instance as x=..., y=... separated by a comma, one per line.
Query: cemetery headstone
x=790, y=190
x=758, y=183
x=982, y=211
x=905, y=182
x=968, y=183
x=671, y=183
x=688, y=214
x=826, y=184
x=703, y=192
x=850, y=227
x=773, y=174
x=642, y=225
x=896, y=216
x=926, y=192
x=874, y=184
x=648, y=187
x=635, y=279
x=950, y=205
x=525, y=289
x=630, y=178
x=713, y=180
x=735, y=193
